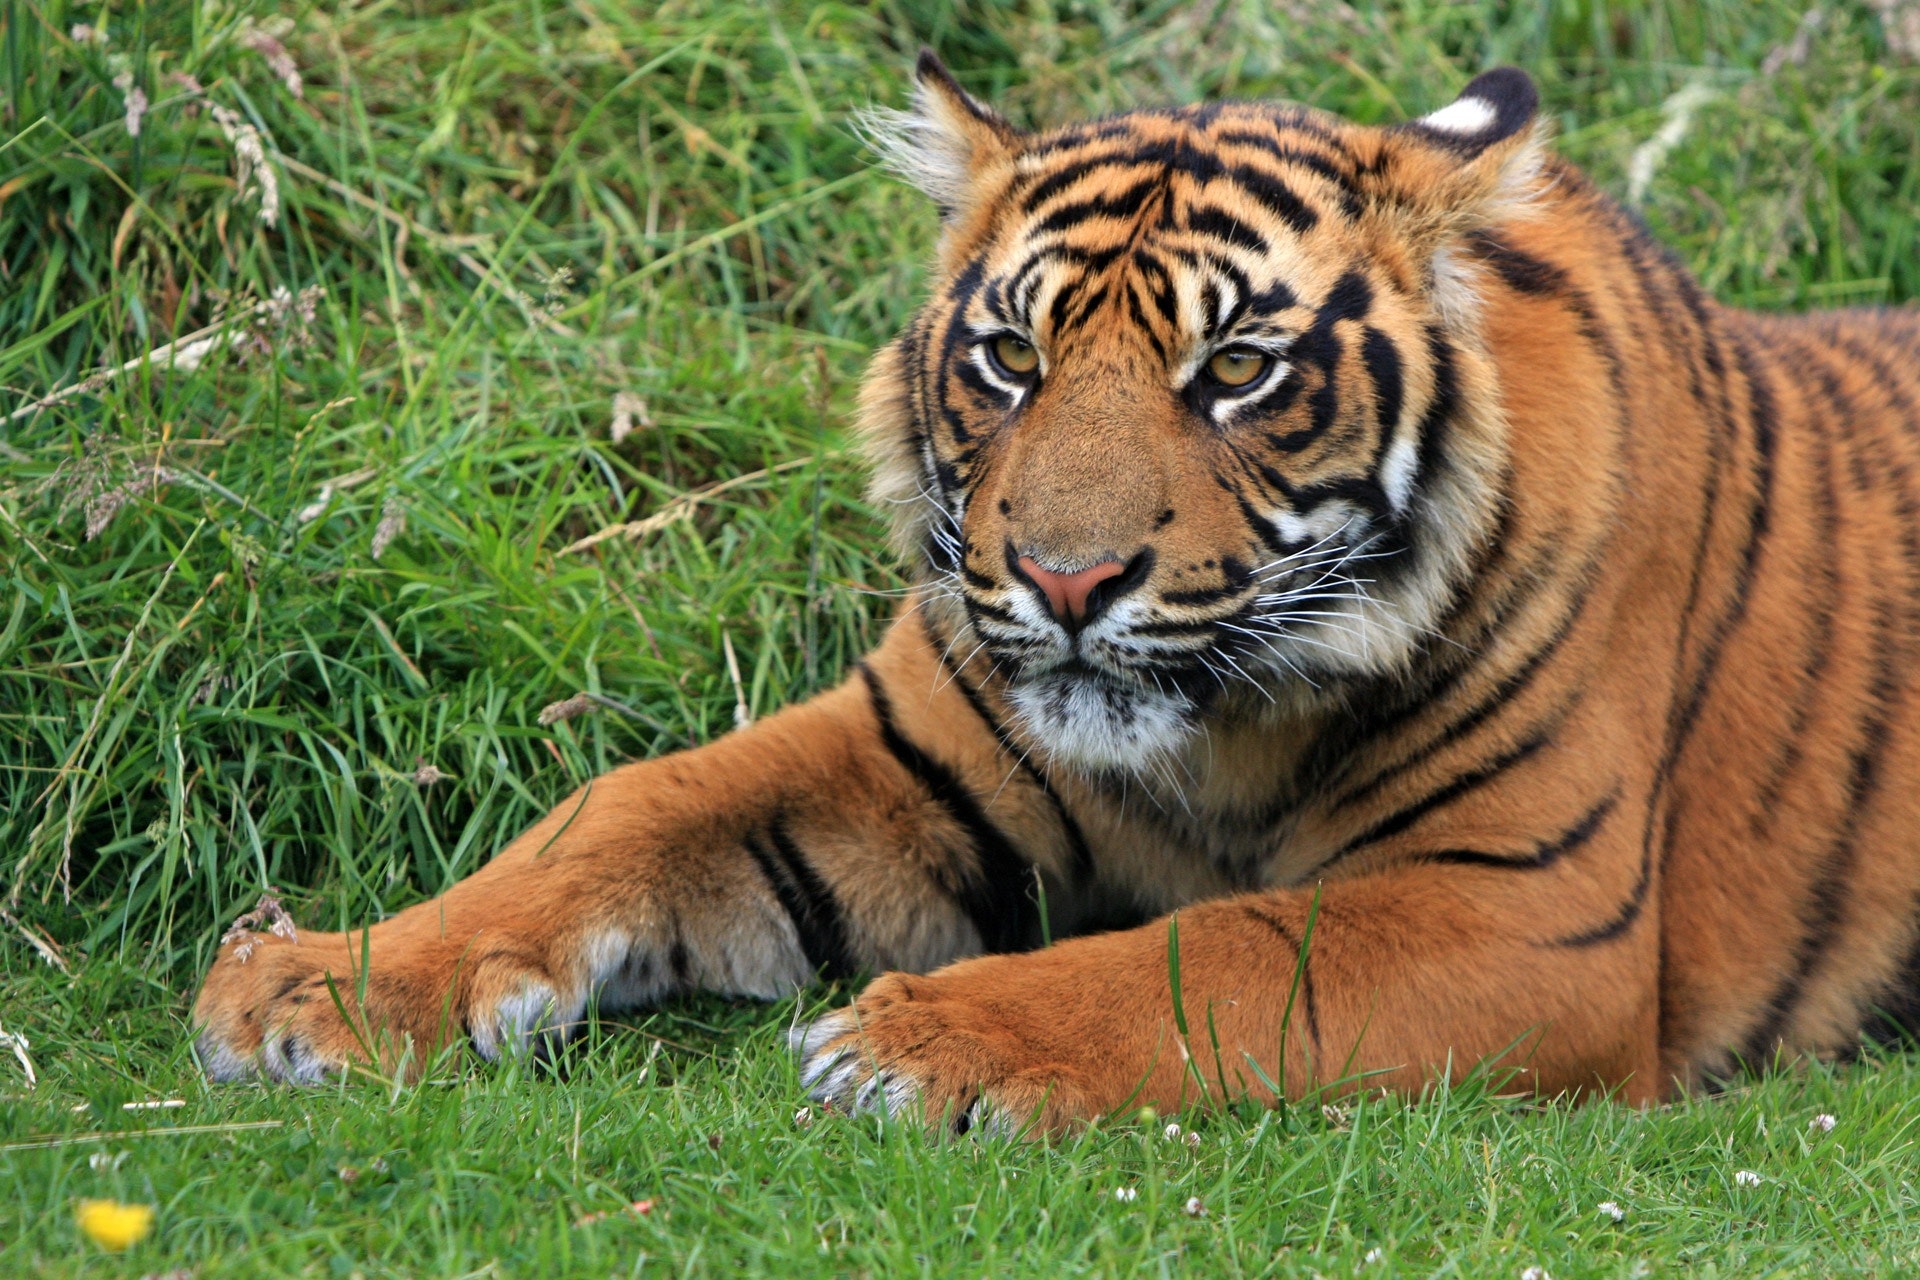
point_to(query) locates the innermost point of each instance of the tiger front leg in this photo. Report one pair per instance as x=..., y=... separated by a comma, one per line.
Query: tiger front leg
x=830, y=838
x=1410, y=975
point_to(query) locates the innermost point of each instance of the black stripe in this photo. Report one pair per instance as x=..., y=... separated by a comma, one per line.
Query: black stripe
x=1763, y=417
x=817, y=918
x=964, y=287
x=1626, y=914
x=1274, y=196
x=1140, y=318
x=1832, y=873
x=1207, y=220
x=1518, y=270
x=1093, y=303
x=1124, y=204
x=1509, y=687
x=1060, y=179
x=1308, y=1004
x=1382, y=360
x=995, y=895
x=1543, y=855
x=1460, y=784
x=1822, y=611
x=1896, y=1014
x=1284, y=154
x=1082, y=855
x=1350, y=299
x=1444, y=405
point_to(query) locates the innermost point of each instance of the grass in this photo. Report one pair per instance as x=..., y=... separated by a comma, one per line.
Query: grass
x=251, y=600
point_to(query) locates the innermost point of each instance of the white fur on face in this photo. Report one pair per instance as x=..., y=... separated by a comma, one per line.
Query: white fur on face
x=1092, y=723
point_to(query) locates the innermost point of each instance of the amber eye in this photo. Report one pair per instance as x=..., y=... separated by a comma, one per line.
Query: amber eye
x=1015, y=355
x=1237, y=366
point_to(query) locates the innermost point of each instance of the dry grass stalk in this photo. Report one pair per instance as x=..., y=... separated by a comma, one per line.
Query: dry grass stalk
x=269, y=912
x=185, y=354
x=318, y=507
x=678, y=508
x=18, y=1043
x=127, y=1135
x=566, y=709
x=40, y=942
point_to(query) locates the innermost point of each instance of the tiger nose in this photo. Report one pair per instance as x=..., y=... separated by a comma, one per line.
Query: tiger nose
x=1069, y=594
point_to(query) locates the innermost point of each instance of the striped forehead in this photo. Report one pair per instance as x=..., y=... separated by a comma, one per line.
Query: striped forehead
x=1187, y=220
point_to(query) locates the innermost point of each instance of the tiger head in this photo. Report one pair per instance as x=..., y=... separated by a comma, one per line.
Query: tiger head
x=1198, y=419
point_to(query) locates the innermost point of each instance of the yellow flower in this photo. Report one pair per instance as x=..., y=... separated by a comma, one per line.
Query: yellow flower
x=113, y=1225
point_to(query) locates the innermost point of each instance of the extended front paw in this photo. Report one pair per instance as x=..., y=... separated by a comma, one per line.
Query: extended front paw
x=302, y=1006
x=962, y=1050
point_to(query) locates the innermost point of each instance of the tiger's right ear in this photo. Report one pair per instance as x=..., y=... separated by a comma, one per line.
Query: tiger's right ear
x=947, y=143
x=1465, y=164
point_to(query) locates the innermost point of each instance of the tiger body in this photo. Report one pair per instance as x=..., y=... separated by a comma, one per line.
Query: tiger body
x=1317, y=529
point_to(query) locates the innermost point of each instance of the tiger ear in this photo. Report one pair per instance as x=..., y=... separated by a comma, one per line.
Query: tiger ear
x=947, y=142
x=1465, y=164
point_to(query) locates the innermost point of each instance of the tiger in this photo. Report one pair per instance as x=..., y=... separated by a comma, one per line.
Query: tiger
x=1372, y=618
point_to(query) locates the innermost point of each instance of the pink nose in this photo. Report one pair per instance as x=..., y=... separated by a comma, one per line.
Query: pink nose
x=1067, y=592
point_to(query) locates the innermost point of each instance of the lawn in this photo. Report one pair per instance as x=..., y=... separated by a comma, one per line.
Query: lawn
x=327, y=334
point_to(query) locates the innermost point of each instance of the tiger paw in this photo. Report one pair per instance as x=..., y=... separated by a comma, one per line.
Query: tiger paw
x=961, y=1050
x=301, y=1007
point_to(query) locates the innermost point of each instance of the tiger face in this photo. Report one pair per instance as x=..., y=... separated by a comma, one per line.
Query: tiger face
x=1196, y=420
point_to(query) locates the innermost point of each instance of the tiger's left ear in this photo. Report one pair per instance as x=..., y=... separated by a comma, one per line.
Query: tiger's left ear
x=948, y=143
x=1464, y=165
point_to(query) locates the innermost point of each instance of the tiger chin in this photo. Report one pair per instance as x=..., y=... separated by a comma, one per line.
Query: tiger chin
x=1360, y=552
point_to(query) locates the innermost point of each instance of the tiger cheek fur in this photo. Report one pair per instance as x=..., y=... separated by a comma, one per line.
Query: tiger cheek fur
x=1356, y=563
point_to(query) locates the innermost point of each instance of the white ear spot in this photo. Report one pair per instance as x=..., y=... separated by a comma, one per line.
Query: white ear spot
x=1463, y=116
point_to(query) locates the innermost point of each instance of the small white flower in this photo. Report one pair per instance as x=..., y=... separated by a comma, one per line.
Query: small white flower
x=106, y=1161
x=1125, y=1195
x=803, y=1117
x=1171, y=1133
x=1822, y=1123
x=1610, y=1209
x=1193, y=1142
x=1746, y=1178
x=1195, y=1209
x=1374, y=1255
x=1534, y=1273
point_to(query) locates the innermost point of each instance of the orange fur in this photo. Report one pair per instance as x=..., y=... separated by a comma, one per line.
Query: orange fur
x=1534, y=630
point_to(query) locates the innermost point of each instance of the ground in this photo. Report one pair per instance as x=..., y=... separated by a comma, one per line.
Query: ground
x=287, y=607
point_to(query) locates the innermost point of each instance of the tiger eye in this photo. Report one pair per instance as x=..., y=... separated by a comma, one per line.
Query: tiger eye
x=1237, y=366
x=1015, y=355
